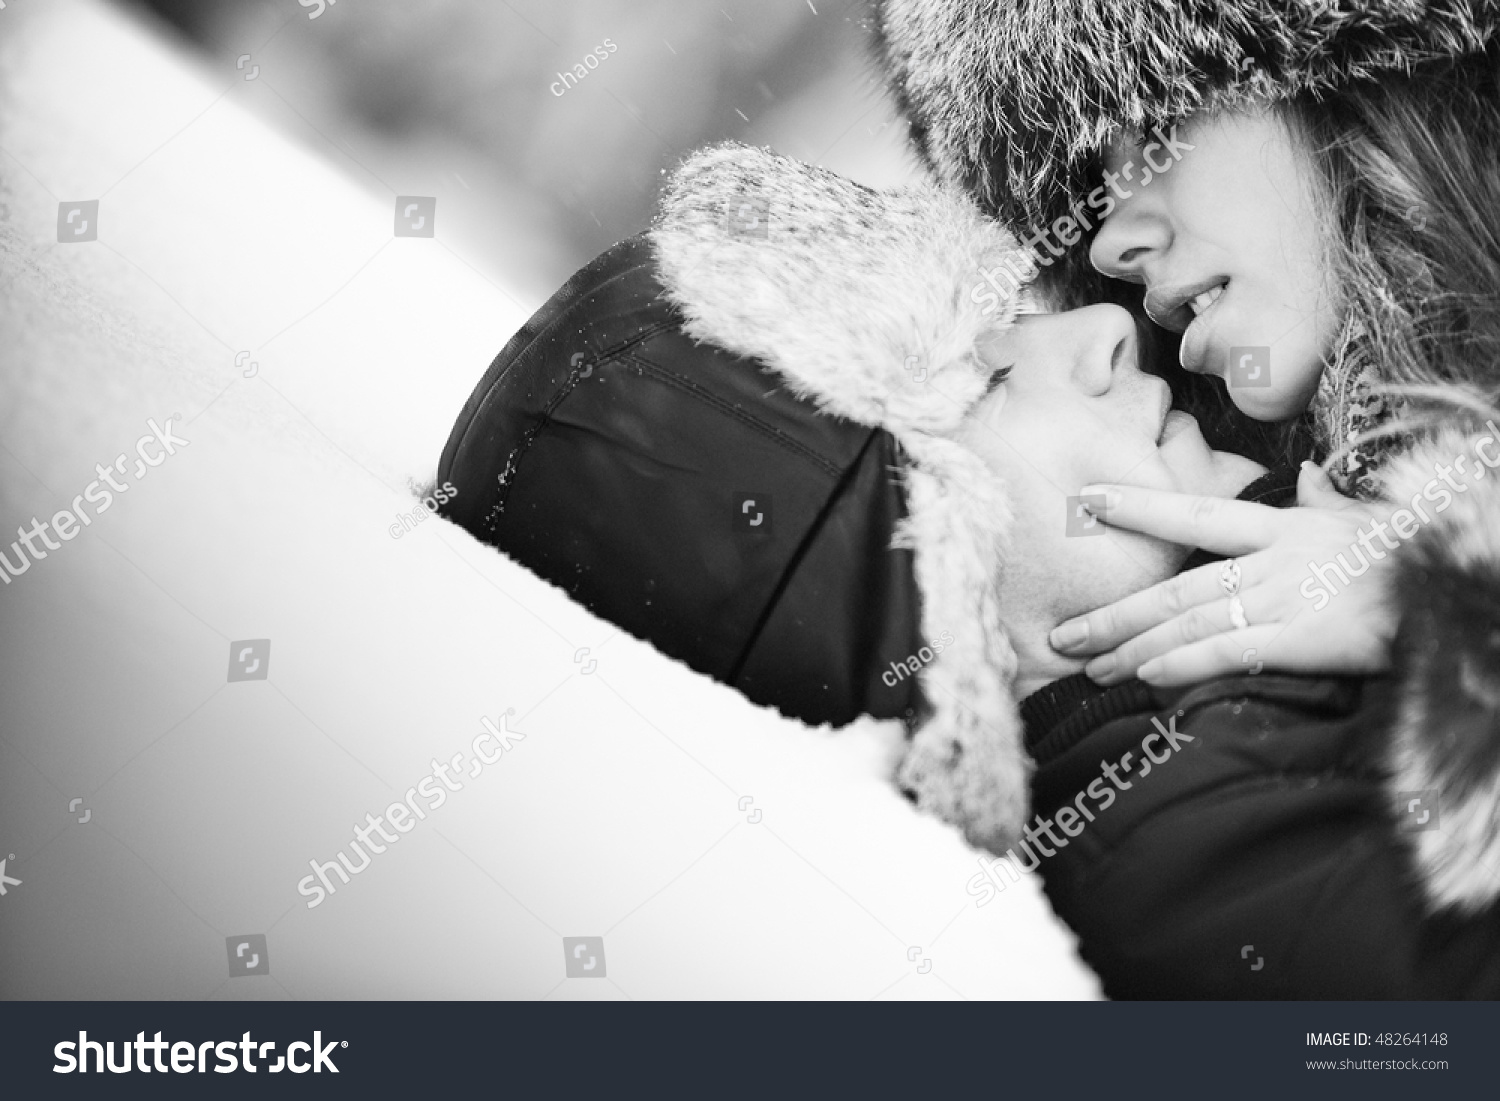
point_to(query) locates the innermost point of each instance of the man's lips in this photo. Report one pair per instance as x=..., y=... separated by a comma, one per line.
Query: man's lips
x=1176, y=423
x=1168, y=420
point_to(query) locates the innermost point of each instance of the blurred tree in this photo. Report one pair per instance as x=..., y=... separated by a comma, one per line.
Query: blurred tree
x=578, y=166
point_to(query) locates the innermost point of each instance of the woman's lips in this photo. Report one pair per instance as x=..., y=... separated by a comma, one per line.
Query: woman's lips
x=1174, y=305
x=1193, y=352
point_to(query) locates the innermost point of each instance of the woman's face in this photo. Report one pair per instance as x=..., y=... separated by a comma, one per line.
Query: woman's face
x=1228, y=244
x=1075, y=409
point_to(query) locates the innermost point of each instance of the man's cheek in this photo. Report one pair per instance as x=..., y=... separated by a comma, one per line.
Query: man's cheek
x=1143, y=560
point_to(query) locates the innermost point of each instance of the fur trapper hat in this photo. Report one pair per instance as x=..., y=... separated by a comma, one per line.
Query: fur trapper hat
x=871, y=304
x=1013, y=99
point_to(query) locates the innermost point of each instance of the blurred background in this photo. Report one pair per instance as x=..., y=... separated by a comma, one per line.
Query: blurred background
x=536, y=174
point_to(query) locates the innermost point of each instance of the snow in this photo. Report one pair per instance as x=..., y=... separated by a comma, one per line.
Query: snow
x=719, y=849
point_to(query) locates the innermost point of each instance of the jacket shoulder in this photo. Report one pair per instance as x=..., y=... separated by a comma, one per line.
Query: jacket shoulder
x=1249, y=811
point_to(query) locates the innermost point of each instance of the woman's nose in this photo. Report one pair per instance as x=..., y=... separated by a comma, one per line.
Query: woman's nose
x=1129, y=240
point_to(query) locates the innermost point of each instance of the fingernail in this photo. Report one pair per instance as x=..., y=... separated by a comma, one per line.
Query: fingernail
x=1070, y=635
x=1150, y=670
x=1111, y=496
x=1101, y=668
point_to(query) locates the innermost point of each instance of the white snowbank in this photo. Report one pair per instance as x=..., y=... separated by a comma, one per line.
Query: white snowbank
x=626, y=810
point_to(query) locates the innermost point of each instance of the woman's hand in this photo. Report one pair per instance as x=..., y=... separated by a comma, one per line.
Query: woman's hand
x=1188, y=628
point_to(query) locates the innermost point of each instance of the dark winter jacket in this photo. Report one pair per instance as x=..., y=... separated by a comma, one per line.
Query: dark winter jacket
x=1238, y=839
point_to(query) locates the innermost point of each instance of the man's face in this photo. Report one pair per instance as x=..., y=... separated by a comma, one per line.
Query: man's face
x=1076, y=409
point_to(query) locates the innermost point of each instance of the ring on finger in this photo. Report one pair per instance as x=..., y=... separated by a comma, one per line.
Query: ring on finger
x=1237, y=614
x=1229, y=576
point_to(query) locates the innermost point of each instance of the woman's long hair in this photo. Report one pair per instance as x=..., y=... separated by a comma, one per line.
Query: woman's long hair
x=1411, y=175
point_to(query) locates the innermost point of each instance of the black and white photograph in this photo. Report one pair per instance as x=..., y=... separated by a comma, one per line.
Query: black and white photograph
x=740, y=506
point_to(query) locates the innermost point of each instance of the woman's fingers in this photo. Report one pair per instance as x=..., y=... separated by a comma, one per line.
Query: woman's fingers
x=1214, y=523
x=1107, y=627
x=1301, y=645
x=1245, y=651
x=1204, y=621
x=1188, y=628
x=1316, y=490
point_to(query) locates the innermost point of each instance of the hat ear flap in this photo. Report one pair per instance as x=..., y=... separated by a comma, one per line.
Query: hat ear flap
x=967, y=763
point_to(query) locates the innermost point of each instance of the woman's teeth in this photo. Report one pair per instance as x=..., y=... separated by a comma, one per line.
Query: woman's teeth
x=1200, y=302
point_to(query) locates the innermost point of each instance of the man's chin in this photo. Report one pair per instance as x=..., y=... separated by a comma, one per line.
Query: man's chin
x=1196, y=468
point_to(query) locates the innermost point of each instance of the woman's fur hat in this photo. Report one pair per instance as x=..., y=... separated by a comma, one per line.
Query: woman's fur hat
x=1013, y=99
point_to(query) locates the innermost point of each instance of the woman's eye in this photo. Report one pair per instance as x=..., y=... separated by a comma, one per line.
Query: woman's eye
x=997, y=379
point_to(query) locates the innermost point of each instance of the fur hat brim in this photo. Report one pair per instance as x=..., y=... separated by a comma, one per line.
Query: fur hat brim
x=1012, y=101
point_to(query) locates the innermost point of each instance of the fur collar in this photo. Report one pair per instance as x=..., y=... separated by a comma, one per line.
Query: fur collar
x=1445, y=747
x=870, y=304
x=1010, y=99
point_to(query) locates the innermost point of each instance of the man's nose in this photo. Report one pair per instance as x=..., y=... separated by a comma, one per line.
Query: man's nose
x=1105, y=347
x=1130, y=240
